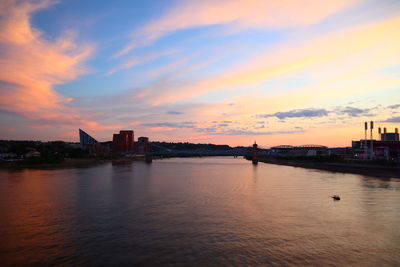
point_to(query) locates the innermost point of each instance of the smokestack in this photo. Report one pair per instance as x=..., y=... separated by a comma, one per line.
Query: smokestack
x=365, y=130
x=372, y=127
x=396, y=130
x=379, y=130
x=384, y=130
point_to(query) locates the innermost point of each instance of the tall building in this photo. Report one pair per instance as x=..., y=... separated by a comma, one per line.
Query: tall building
x=86, y=139
x=123, y=142
x=129, y=139
x=118, y=144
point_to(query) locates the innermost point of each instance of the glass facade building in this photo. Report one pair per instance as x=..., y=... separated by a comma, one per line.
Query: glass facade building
x=86, y=139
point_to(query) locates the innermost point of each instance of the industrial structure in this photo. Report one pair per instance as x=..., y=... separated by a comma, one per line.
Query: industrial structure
x=387, y=147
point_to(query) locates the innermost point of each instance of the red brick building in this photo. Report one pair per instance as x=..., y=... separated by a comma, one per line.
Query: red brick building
x=123, y=142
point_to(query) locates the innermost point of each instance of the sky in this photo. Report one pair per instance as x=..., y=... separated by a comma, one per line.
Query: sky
x=211, y=71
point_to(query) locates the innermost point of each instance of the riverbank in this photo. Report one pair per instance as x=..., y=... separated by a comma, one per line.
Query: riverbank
x=363, y=169
x=68, y=163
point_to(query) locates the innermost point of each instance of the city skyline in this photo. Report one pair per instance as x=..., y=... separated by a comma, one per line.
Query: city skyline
x=224, y=72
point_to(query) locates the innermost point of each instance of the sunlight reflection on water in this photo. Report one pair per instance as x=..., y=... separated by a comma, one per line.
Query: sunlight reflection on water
x=197, y=211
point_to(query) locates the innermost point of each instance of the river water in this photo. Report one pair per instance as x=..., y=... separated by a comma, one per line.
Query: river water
x=197, y=212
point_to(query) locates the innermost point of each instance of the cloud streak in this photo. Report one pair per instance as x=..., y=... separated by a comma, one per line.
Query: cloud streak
x=339, y=62
x=354, y=112
x=297, y=113
x=393, y=119
x=236, y=15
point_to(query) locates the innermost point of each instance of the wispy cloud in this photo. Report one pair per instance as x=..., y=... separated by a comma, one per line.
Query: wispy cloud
x=185, y=124
x=354, y=112
x=339, y=62
x=393, y=119
x=255, y=133
x=297, y=113
x=137, y=60
x=394, y=106
x=172, y=112
x=235, y=14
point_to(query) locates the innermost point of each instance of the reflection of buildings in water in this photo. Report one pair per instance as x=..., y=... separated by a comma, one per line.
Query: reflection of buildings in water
x=380, y=182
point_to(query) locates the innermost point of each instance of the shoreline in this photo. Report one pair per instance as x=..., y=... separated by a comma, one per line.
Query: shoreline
x=67, y=163
x=76, y=162
x=353, y=168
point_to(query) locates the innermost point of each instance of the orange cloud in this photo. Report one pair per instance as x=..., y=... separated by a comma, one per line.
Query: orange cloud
x=93, y=125
x=238, y=14
x=31, y=65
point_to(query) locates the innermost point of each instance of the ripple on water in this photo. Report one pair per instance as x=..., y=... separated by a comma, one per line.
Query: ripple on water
x=204, y=212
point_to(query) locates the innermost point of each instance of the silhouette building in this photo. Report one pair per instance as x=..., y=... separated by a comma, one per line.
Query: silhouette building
x=86, y=139
x=91, y=145
x=143, y=145
x=388, y=147
x=123, y=142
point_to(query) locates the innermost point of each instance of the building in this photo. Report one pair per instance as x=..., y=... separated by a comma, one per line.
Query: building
x=388, y=147
x=123, y=142
x=376, y=149
x=128, y=139
x=143, y=145
x=91, y=145
x=86, y=139
x=119, y=143
x=394, y=137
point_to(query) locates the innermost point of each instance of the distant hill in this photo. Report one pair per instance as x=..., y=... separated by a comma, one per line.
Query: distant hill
x=159, y=146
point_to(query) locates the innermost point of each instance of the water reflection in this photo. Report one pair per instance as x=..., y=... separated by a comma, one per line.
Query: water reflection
x=33, y=218
x=203, y=211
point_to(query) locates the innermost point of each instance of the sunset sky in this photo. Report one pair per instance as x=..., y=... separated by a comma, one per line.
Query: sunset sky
x=209, y=71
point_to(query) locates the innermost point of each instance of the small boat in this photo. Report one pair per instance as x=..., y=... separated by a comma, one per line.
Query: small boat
x=335, y=197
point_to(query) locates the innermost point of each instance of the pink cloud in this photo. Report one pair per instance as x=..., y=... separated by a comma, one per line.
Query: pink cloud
x=31, y=65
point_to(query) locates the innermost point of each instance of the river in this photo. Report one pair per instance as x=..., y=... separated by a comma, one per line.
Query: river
x=197, y=212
